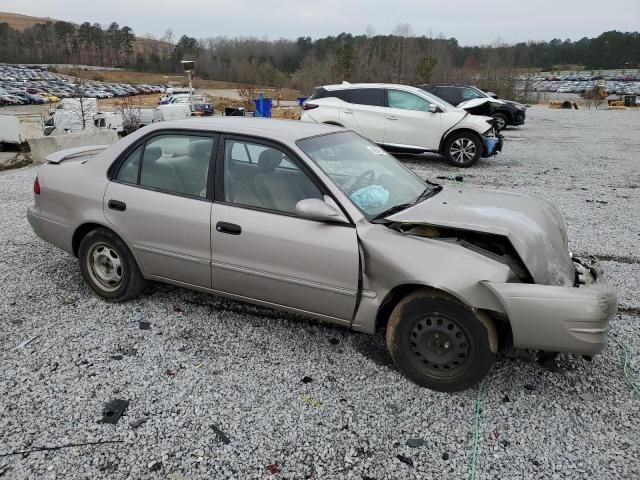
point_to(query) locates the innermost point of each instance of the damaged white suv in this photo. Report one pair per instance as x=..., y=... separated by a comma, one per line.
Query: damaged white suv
x=403, y=118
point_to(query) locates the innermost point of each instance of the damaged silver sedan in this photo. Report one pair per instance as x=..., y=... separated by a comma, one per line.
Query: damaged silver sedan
x=319, y=221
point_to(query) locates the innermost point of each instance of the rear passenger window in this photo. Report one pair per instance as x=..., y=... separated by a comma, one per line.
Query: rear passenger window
x=368, y=96
x=177, y=164
x=341, y=94
x=452, y=95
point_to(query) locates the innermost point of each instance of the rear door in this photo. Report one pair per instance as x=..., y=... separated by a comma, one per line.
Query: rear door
x=262, y=250
x=369, y=107
x=409, y=123
x=159, y=200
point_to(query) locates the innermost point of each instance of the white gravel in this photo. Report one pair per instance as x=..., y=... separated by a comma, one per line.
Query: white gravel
x=209, y=362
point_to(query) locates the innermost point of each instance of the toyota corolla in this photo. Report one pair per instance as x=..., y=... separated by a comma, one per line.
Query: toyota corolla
x=317, y=220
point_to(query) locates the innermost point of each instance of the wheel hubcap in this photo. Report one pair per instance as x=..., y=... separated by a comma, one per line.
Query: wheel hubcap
x=440, y=346
x=463, y=150
x=105, y=267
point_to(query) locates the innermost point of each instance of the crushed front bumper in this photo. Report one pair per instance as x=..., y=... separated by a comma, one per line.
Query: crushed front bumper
x=492, y=145
x=560, y=319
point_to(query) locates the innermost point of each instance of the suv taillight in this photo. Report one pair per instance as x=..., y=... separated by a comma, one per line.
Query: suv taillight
x=309, y=106
x=36, y=186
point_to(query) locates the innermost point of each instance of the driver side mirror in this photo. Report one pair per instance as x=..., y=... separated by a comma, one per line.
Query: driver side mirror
x=433, y=108
x=319, y=210
x=492, y=95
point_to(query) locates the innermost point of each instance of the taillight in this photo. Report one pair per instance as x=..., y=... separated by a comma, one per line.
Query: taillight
x=36, y=186
x=309, y=106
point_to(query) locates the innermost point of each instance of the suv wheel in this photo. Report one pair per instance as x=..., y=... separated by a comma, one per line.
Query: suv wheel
x=501, y=121
x=463, y=149
x=108, y=266
x=440, y=343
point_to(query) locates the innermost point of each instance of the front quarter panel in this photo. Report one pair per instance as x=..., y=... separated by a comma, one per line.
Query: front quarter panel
x=392, y=259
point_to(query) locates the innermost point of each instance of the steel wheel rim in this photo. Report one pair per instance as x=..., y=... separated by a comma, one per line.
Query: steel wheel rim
x=501, y=122
x=105, y=267
x=440, y=346
x=463, y=150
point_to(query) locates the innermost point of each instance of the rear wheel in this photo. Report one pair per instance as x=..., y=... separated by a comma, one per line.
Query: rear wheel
x=439, y=343
x=108, y=266
x=463, y=149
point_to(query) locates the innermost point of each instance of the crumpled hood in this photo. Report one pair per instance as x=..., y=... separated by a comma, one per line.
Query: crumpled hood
x=515, y=104
x=534, y=227
x=476, y=102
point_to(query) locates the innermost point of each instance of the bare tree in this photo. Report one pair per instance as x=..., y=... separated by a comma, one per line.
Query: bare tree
x=247, y=93
x=81, y=107
x=129, y=109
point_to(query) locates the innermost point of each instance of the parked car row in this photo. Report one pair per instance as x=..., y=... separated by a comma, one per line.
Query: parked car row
x=20, y=85
x=630, y=85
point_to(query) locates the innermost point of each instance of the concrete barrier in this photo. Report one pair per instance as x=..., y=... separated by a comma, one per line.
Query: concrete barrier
x=41, y=147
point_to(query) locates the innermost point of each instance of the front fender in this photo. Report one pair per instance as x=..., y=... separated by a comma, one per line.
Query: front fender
x=393, y=259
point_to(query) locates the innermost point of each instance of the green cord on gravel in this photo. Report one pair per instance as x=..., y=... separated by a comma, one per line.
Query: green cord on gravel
x=625, y=366
x=476, y=433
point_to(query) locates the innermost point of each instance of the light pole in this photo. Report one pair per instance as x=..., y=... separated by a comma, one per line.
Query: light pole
x=189, y=66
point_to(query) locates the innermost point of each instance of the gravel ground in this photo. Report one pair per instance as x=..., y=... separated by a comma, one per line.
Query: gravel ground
x=217, y=389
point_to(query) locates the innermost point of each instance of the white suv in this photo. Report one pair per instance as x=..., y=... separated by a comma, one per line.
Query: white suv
x=405, y=118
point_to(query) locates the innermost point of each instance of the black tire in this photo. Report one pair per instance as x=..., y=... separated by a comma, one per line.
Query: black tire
x=502, y=121
x=463, y=149
x=108, y=266
x=439, y=343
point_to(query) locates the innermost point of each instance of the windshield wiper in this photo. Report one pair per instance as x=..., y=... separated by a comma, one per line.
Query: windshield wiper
x=426, y=193
x=392, y=210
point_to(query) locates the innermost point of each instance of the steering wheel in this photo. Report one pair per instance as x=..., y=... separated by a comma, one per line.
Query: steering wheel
x=364, y=179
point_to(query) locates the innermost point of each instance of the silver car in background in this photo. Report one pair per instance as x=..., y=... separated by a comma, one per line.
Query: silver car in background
x=316, y=220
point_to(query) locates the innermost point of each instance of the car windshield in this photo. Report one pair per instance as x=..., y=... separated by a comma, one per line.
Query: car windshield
x=374, y=180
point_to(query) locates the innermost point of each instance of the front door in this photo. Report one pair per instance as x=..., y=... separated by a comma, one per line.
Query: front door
x=158, y=201
x=409, y=123
x=262, y=250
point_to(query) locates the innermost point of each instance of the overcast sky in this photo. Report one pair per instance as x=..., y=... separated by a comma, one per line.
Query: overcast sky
x=472, y=22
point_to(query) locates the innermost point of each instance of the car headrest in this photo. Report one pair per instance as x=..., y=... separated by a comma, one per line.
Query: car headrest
x=200, y=148
x=269, y=160
x=151, y=154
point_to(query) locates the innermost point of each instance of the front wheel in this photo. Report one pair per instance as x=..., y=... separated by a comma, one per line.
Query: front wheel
x=439, y=343
x=463, y=149
x=108, y=266
x=501, y=121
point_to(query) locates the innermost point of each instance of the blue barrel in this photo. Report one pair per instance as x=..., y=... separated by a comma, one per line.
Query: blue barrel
x=263, y=107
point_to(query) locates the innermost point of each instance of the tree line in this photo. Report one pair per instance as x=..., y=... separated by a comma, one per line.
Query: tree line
x=401, y=57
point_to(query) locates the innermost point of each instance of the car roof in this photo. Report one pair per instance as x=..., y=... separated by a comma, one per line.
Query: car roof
x=271, y=128
x=346, y=86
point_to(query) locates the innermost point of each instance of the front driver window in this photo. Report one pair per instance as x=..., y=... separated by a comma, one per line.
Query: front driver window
x=470, y=94
x=407, y=101
x=264, y=177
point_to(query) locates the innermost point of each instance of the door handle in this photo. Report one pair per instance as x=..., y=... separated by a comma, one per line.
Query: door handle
x=391, y=117
x=348, y=111
x=230, y=228
x=117, y=205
